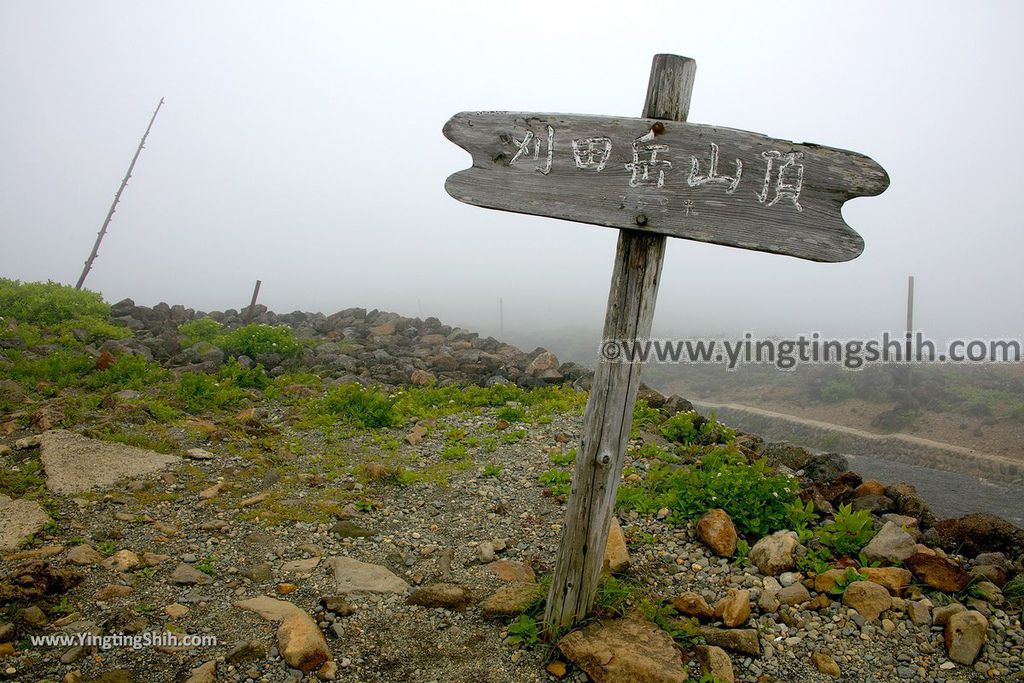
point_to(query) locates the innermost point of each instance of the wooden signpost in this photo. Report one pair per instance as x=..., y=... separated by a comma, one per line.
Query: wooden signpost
x=650, y=177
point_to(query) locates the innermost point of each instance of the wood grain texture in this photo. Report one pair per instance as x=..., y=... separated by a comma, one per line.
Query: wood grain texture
x=691, y=201
x=609, y=413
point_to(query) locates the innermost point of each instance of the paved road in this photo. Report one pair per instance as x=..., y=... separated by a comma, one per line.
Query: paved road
x=949, y=494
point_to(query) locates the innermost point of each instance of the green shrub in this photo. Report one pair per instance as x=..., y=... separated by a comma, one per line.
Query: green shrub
x=693, y=429
x=233, y=374
x=757, y=501
x=524, y=631
x=838, y=390
x=201, y=329
x=127, y=372
x=849, y=532
x=843, y=582
x=198, y=392
x=49, y=303
x=555, y=480
x=95, y=329
x=254, y=340
x=355, y=404
x=644, y=416
x=61, y=368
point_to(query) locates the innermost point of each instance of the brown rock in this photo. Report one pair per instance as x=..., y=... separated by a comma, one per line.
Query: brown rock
x=422, y=378
x=965, y=634
x=716, y=530
x=616, y=555
x=112, y=591
x=510, y=570
x=939, y=572
x=557, y=669
x=942, y=615
x=33, y=616
x=149, y=559
x=448, y=595
x=383, y=330
x=742, y=640
x=980, y=533
x=869, y=599
x=416, y=435
x=121, y=561
x=544, y=365
x=794, y=594
x=692, y=605
x=301, y=643
x=338, y=604
x=825, y=582
x=204, y=673
x=632, y=649
x=895, y=579
x=512, y=600
x=187, y=575
x=715, y=662
x=870, y=487
x=776, y=553
x=920, y=612
x=734, y=608
x=33, y=580
x=84, y=555
x=175, y=610
x=824, y=663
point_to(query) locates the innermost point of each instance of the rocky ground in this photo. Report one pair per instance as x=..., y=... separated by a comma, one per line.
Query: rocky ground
x=315, y=550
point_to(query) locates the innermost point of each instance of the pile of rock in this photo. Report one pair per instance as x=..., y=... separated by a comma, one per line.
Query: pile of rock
x=350, y=345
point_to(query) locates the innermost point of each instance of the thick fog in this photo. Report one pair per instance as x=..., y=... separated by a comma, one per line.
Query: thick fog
x=301, y=144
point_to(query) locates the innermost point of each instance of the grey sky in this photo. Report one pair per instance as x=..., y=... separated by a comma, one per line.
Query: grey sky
x=300, y=143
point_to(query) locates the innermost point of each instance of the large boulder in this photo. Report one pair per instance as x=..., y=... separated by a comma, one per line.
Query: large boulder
x=825, y=467
x=868, y=598
x=631, y=649
x=616, y=555
x=908, y=502
x=301, y=643
x=939, y=572
x=734, y=608
x=965, y=634
x=787, y=455
x=776, y=553
x=716, y=530
x=980, y=533
x=891, y=544
x=19, y=519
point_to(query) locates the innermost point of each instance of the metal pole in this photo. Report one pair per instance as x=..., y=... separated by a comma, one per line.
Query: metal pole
x=910, y=341
x=252, y=305
x=117, y=197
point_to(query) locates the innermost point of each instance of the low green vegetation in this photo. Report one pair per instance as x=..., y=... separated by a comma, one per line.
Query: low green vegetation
x=693, y=429
x=49, y=304
x=757, y=500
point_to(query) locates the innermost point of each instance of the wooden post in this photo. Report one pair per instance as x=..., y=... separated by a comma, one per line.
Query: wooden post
x=117, y=197
x=252, y=305
x=609, y=412
x=910, y=341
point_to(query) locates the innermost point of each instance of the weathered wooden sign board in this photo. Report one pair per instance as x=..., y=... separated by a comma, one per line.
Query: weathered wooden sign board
x=684, y=180
x=651, y=177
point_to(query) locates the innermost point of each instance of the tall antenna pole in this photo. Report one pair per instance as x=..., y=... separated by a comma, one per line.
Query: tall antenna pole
x=501, y=317
x=910, y=338
x=117, y=198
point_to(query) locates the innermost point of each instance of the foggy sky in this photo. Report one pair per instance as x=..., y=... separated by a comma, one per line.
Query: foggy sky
x=301, y=144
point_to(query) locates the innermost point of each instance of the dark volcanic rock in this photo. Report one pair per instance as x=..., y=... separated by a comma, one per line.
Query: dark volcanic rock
x=980, y=533
x=33, y=580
